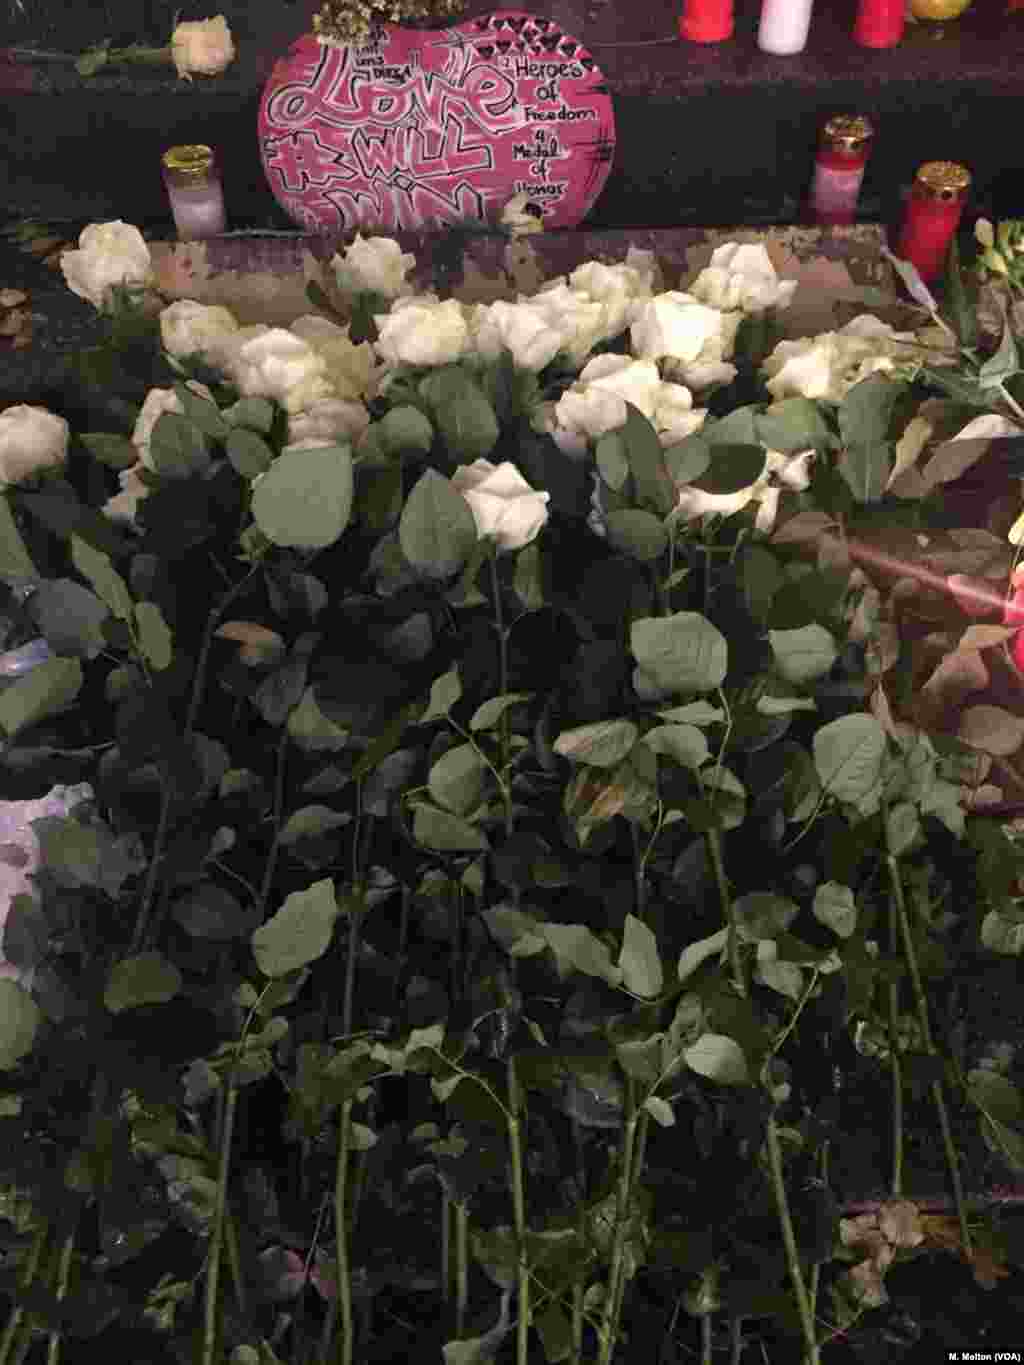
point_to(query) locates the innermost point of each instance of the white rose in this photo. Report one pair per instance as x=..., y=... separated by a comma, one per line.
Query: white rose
x=586, y=415
x=422, y=331
x=790, y=471
x=282, y=366
x=350, y=368
x=674, y=325
x=108, y=254
x=222, y=351
x=635, y=381
x=582, y=321
x=204, y=46
x=123, y=506
x=330, y=421
x=674, y=415
x=377, y=264
x=804, y=367
x=515, y=327
x=621, y=289
x=31, y=439
x=503, y=504
x=156, y=403
x=19, y=854
x=188, y=328
x=742, y=277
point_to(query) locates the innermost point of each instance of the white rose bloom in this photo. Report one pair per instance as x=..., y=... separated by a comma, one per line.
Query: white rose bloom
x=282, y=366
x=790, y=471
x=350, y=368
x=516, y=327
x=123, y=506
x=19, y=855
x=586, y=415
x=31, y=439
x=156, y=403
x=674, y=415
x=829, y=365
x=622, y=289
x=108, y=254
x=742, y=277
x=675, y=326
x=188, y=328
x=422, y=330
x=376, y=264
x=582, y=321
x=636, y=381
x=203, y=46
x=330, y=421
x=222, y=351
x=503, y=504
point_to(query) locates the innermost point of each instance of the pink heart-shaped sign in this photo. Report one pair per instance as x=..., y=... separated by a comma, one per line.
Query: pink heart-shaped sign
x=426, y=127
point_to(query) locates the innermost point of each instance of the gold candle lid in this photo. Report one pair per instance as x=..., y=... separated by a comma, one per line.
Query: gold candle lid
x=195, y=160
x=943, y=179
x=848, y=132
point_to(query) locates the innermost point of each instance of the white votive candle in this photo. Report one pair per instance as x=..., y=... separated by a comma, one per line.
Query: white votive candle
x=194, y=189
x=784, y=26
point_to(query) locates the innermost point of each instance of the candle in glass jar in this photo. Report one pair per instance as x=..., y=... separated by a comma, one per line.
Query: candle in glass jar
x=932, y=215
x=784, y=26
x=880, y=22
x=194, y=189
x=706, y=21
x=839, y=169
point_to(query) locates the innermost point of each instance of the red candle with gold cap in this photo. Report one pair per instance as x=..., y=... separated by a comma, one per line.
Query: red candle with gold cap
x=839, y=168
x=880, y=22
x=706, y=21
x=933, y=213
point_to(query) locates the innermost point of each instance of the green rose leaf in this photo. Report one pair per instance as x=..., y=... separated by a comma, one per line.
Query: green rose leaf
x=256, y=414
x=848, y=756
x=654, y=487
x=19, y=1022
x=684, y=744
x=49, y=688
x=865, y=414
x=111, y=448
x=404, y=429
x=603, y=743
x=305, y=499
x=763, y=915
x=248, y=452
x=436, y=531
x=441, y=830
x=487, y=715
x=15, y=560
x=155, y=638
x=202, y=413
x=462, y=413
x=835, y=907
x=793, y=424
x=109, y=585
x=612, y=460
x=865, y=470
x=995, y=1096
x=637, y=533
x=311, y=730
x=577, y=948
x=145, y=979
x=178, y=448
x=299, y=933
x=458, y=778
x=639, y=961
x=732, y=468
x=804, y=654
x=719, y=1058
x=681, y=653
x=688, y=459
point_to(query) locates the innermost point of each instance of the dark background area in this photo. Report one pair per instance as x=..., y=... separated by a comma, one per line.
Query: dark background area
x=708, y=135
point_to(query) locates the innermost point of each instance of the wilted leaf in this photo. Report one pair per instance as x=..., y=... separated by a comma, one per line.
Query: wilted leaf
x=992, y=729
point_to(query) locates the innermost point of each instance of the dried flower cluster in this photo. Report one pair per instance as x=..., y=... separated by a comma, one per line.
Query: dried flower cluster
x=354, y=21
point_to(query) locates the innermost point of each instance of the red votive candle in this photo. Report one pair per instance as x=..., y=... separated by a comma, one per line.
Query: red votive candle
x=839, y=169
x=880, y=22
x=933, y=213
x=706, y=21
